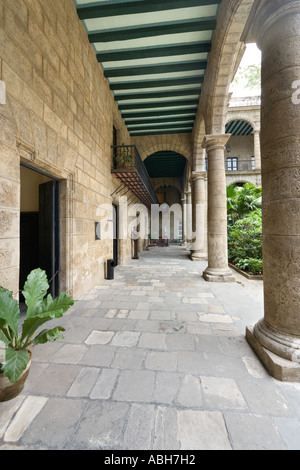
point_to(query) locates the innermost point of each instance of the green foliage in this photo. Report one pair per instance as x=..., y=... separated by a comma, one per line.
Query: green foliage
x=251, y=75
x=124, y=157
x=245, y=227
x=255, y=266
x=242, y=200
x=40, y=309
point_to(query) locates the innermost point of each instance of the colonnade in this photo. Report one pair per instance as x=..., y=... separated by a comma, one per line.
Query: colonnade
x=275, y=338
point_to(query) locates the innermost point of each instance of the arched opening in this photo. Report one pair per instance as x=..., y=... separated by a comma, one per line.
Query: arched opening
x=166, y=170
x=239, y=153
x=165, y=164
x=244, y=218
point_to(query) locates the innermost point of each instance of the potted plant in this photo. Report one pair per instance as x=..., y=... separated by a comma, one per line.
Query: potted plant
x=16, y=341
x=124, y=157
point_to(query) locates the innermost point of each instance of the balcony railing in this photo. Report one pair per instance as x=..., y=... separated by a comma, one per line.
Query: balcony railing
x=245, y=101
x=130, y=169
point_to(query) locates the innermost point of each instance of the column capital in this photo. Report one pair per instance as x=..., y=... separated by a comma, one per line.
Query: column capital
x=198, y=175
x=215, y=141
x=268, y=13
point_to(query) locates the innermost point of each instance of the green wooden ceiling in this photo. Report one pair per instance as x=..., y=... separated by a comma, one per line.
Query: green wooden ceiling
x=239, y=127
x=154, y=55
x=165, y=164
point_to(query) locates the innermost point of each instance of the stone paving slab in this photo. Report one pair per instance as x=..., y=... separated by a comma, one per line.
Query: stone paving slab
x=155, y=359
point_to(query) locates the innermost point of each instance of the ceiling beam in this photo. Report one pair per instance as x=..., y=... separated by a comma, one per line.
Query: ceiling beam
x=158, y=94
x=184, y=131
x=239, y=127
x=153, y=29
x=154, y=69
x=122, y=7
x=160, y=120
x=161, y=126
x=157, y=51
x=159, y=104
x=147, y=114
x=156, y=83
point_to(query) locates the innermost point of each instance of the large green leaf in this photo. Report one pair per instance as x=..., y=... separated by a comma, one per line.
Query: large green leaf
x=56, y=307
x=35, y=289
x=49, y=335
x=15, y=363
x=31, y=325
x=50, y=309
x=9, y=312
x=4, y=336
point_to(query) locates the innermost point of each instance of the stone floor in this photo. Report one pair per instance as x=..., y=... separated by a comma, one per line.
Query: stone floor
x=155, y=359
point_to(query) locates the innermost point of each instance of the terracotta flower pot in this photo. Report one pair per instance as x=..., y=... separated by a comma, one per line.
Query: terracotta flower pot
x=8, y=391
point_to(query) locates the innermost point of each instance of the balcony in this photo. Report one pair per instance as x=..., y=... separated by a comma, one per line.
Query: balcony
x=130, y=169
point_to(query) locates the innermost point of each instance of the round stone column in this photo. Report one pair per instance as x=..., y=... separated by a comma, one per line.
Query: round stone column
x=188, y=227
x=257, y=150
x=199, y=216
x=276, y=338
x=217, y=269
x=183, y=205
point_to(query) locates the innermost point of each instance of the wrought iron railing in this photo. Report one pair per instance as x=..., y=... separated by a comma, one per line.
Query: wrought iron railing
x=127, y=158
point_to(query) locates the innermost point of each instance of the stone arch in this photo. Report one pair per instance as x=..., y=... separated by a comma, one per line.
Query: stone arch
x=187, y=182
x=227, y=52
x=198, y=151
x=199, y=130
x=237, y=118
x=179, y=143
x=169, y=182
x=254, y=179
x=238, y=180
x=252, y=118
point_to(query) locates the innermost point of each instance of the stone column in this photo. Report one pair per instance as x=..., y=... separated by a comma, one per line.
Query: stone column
x=183, y=205
x=188, y=227
x=217, y=269
x=276, y=338
x=257, y=150
x=199, y=216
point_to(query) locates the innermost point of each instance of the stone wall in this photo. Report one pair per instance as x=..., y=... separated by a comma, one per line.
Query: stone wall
x=58, y=117
x=149, y=144
x=241, y=147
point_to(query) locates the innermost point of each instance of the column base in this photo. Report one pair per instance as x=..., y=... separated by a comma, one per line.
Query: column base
x=218, y=275
x=278, y=367
x=198, y=256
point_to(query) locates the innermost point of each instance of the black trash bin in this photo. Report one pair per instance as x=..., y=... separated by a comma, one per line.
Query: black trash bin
x=110, y=269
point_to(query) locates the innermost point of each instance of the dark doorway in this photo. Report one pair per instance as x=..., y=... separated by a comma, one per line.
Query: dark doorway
x=49, y=233
x=116, y=235
x=39, y=227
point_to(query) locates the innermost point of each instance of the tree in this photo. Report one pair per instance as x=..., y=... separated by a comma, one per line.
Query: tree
x=251, y=75
x=242, y=200
x=245, y=227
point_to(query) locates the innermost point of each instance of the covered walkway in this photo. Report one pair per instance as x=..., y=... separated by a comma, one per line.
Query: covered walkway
x=155, y=359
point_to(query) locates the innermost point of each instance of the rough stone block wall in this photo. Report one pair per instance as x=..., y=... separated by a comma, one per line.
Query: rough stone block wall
x=58, y=117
